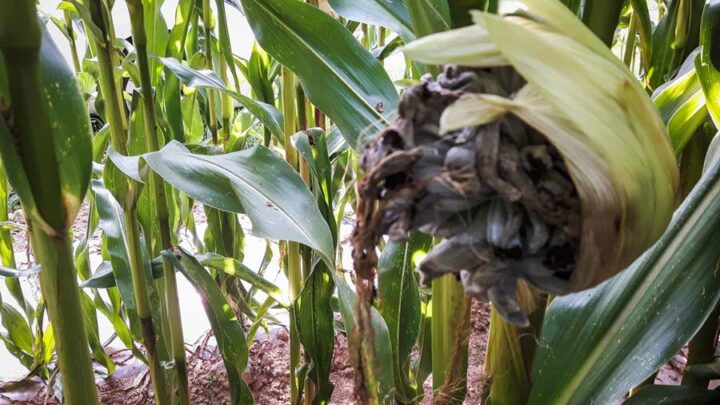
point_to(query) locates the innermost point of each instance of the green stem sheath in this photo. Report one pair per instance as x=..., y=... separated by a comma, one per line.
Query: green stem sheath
x=701, y=349
x=292, y=254
x=113, y=110
x=157, y=191
x=144, y=309
x=602, y=17
x=73, y=44
x=127, y=191
x=449, y=339
x=629, y=53
x=207, y=25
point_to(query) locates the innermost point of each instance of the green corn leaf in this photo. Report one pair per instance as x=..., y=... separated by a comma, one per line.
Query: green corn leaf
x=338, y=75
x=421, y=367
x=13, y=273
x=429, y=16
x=7, y=253
x=314, y=317
x=460, y=10
x=336, y=143
x=103, y=277
x=399, y=304
x=258, y=75
x=389, y=14
x=665, y=55
x=93, y=333
x=48, y=345
x=227, y=330
x=17, y=329
x=84, y=12
x=224, y=40
x=312, y=145
x=170, y=89
x=266, y=113
x=254, y=181
x=70, y=122
x=673, y=395
x=71, y=134
x=642, y=13
x=707, y=370
x=383, y=52
x=681, y=104
x=157, y=33
x=111, y=222
x=191, y=117
x=597, y=344
x=708, y=64
x=235, y=268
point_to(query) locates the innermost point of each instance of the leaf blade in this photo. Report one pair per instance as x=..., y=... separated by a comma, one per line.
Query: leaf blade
x=339, y=76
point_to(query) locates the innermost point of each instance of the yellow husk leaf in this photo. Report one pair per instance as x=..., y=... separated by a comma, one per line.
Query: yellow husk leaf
x=591, y=108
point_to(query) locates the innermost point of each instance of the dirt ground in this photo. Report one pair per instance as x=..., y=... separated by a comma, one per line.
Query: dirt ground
x=267, y=373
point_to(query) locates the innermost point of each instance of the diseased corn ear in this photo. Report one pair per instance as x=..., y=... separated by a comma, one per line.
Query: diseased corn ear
x=591, y=108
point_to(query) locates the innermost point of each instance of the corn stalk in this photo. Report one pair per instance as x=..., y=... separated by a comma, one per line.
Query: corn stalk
x=292, y=253
x=127, y=192
x=31, y=141
x=160, y=200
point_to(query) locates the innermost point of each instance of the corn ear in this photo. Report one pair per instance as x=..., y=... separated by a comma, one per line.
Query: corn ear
x=590, y=107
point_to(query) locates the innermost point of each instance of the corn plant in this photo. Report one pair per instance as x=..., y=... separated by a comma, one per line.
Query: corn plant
x=556, y=158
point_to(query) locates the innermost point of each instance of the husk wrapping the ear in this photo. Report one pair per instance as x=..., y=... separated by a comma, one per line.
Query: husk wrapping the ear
x=571, y=175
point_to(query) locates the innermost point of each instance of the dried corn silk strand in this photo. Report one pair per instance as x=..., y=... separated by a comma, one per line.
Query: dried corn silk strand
x=499, y=194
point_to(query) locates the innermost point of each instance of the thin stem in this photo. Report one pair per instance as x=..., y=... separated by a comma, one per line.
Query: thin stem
x=693, y=158
x=381, y=40
x=73, y=45
x=157, y=191
x=602, y=17
x=113, y=111
x=304, y=113
x=630, y=43
x=144, y=309
x=115, y=60
x=127, y=192
x=207, y=24
x=701, y=349
x=292, y=256
x=226, y=105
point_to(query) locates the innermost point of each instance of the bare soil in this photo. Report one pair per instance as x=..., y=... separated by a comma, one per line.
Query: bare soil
x=267, y=373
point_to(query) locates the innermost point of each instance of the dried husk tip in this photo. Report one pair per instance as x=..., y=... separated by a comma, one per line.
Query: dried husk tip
x=542, y=73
